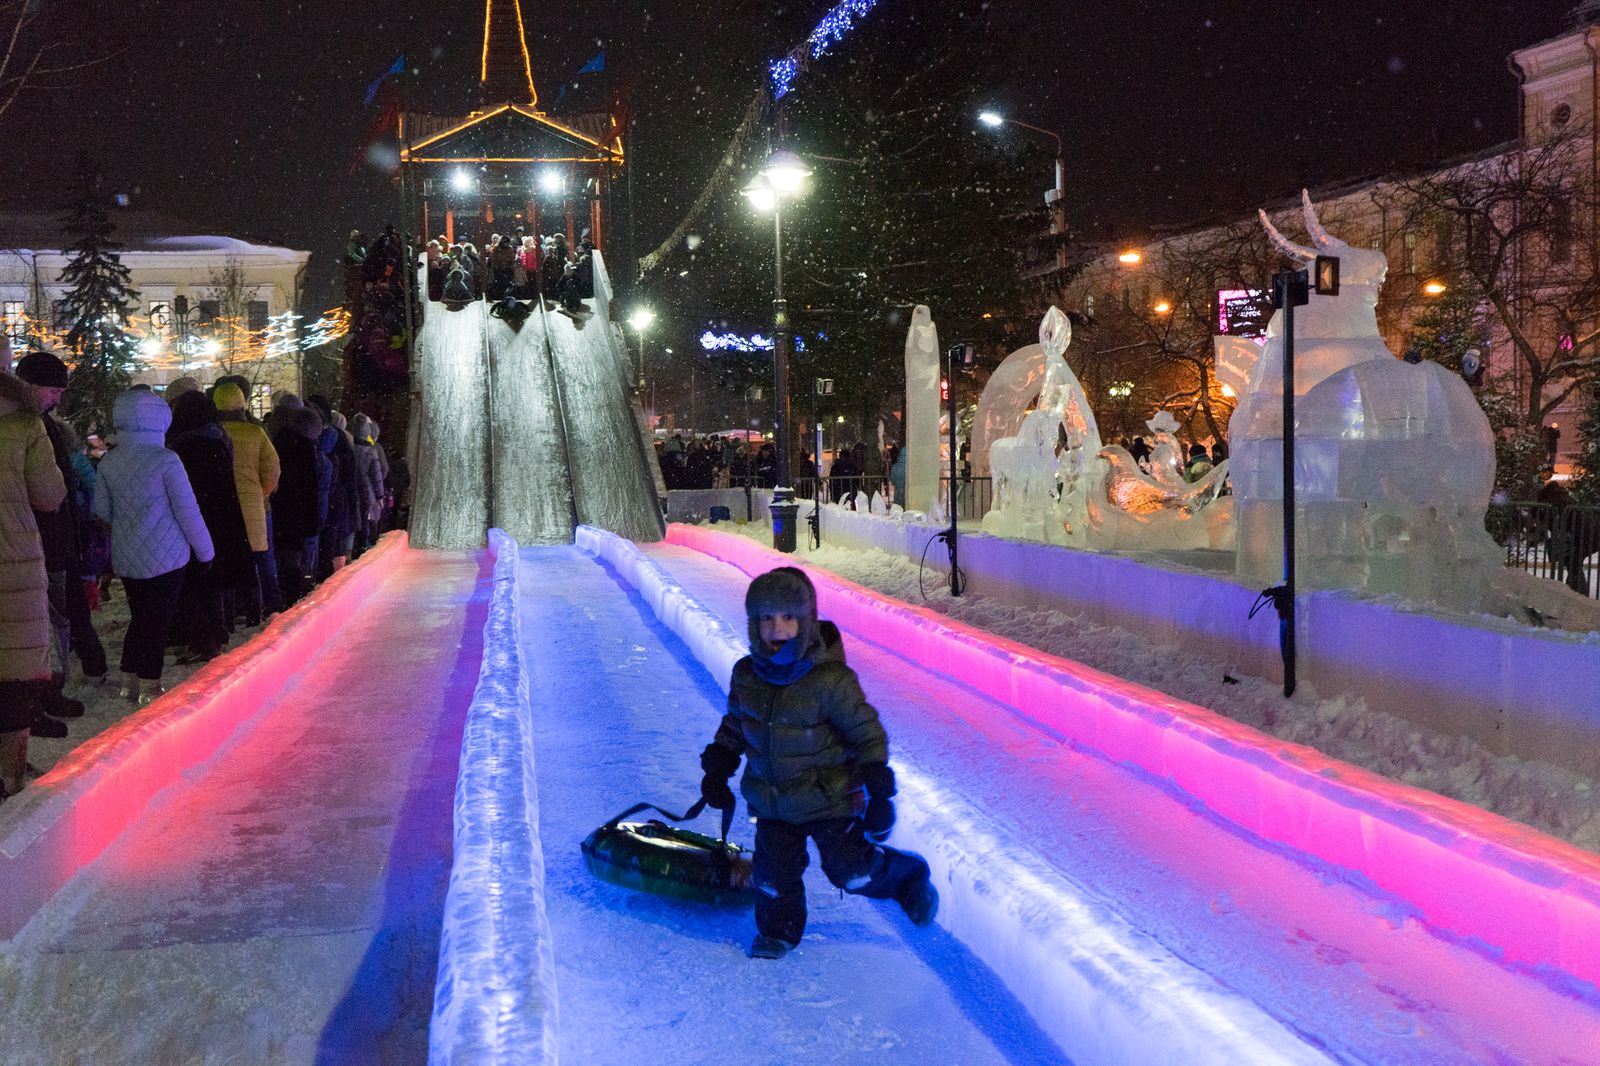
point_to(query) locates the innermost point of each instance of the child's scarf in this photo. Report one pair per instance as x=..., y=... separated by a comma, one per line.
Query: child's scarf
x=783, y=667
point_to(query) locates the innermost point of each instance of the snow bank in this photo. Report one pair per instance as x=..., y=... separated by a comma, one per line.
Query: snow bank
x=1519, y=895
x=1501, y=684
x=1101, y=989
x=494, y=997
x=63, y=821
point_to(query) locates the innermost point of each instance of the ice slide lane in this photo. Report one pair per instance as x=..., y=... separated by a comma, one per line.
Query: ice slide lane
x=282, y=903
x=531, y=430
x=532, y=491
x=452, y=504
x=1346, y=972
x=611, y=480
x=620, y=714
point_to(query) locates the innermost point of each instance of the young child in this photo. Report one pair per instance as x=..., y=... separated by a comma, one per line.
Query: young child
x=817, y=767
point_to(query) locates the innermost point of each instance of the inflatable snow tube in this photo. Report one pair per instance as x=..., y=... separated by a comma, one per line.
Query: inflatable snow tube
x=670, y=861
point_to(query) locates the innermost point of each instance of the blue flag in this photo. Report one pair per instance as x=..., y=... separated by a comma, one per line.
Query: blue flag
x=395, y=70
x=597, y=65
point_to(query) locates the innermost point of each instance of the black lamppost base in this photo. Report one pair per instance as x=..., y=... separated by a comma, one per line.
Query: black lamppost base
x=785, y=518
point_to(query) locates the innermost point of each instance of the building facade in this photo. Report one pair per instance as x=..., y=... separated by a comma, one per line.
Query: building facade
x=1546, y=222
x=231, y=294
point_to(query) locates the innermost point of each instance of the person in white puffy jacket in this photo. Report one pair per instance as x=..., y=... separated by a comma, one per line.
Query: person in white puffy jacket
x=142, y=491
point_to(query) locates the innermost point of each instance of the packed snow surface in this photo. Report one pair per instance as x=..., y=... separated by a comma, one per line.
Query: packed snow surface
x=1352, y=974
x=282, y=904
x=621, y=713
x=1551, y=799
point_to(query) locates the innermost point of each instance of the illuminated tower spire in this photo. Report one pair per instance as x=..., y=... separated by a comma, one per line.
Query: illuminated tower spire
x=506, y=76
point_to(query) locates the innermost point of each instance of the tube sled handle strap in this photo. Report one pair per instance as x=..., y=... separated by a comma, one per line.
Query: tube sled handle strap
x=689, y=815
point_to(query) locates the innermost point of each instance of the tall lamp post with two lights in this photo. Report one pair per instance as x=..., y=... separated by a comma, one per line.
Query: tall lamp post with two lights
x=784, y=174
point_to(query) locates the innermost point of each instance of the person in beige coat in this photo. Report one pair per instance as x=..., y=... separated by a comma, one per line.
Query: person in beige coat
x=255, y=476
x=29, y=482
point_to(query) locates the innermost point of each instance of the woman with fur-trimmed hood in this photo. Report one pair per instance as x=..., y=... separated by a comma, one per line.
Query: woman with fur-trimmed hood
x=816, y=766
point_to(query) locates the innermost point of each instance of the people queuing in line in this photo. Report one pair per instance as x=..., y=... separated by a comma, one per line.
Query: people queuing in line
x=202, y=515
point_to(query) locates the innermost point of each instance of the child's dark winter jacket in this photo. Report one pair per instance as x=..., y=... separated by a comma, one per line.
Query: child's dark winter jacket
x=805, y=739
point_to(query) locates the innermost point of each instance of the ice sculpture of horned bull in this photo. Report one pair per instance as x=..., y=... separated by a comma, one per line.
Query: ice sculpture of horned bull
x=1394, y=462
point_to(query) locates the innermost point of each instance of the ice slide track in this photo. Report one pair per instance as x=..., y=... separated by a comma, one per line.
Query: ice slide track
x=280, y=899
x=531, y=430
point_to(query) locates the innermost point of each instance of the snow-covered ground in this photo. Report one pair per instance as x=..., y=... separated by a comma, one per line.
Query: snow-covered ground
x=1551, y=799
x=620, y=715
x=1171, y=936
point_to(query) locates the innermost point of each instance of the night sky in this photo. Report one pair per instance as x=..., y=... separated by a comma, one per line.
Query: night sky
x=244, y=117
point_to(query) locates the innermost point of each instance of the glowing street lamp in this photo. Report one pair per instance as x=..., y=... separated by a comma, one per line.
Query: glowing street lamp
x=1162, y=307
x=462, y=181
x=784, y=174
x=552, y=181
x=1131, y=257
x=641, y=319
x=1055, y=198
x=1434, y=288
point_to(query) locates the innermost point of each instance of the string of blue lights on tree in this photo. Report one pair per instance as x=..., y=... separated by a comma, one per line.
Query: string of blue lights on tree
x=736, y=342
x=831, y=30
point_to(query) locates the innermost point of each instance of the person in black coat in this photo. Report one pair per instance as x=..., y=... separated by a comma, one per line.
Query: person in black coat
x=197, y=436
x=298, y=507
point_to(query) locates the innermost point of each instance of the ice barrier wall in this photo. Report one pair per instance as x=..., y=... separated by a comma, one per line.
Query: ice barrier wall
x=1524, y=898
x=1503, y=685
x=1103, y=991
x=62, y=822
x=494, y=997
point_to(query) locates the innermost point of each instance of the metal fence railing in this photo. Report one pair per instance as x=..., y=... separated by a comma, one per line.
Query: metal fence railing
x=974, y=496
x=1546, y=540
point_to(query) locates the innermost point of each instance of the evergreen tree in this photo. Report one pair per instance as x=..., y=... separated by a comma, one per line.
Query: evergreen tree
x=97, y=306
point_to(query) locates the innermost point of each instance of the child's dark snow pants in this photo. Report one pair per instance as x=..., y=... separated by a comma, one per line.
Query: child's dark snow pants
x=849, y=859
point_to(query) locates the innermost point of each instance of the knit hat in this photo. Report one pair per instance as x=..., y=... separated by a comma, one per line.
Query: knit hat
x=179, y=388
x=42, y=369
x=228, y=397
x=786, y=590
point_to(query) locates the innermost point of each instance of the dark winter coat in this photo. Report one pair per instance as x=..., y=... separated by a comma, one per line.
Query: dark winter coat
x=297, y=506
x=59, y=529
x=207, y=454
x=344, y=497
x=806, y=740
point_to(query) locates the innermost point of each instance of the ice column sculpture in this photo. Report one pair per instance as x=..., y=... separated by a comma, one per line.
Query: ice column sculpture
x=922, y=413
x=1394, y=462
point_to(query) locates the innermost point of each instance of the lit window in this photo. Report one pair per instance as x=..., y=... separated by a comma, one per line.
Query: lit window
x=16, y=322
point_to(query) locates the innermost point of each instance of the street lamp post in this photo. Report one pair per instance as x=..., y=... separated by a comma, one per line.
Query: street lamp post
x=1055, y=199
x=641, y=320
x=783, y=175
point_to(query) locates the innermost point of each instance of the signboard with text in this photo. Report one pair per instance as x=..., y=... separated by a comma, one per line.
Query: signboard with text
x=1243, y=312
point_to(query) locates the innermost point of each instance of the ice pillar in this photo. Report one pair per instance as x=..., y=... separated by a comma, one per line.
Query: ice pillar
x=922, y=413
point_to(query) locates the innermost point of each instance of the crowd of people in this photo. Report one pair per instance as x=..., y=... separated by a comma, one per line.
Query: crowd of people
x=515, y=266
x=211, y=520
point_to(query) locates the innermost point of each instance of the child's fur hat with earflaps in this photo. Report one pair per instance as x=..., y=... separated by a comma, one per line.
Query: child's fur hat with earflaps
x=789, y=591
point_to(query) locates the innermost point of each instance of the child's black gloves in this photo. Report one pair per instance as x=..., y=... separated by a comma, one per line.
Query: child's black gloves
x=879, y=817
x=719, y=764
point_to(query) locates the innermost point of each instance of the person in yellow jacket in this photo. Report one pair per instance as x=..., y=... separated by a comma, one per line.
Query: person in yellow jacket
x=29, y=481
x=255, y=477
